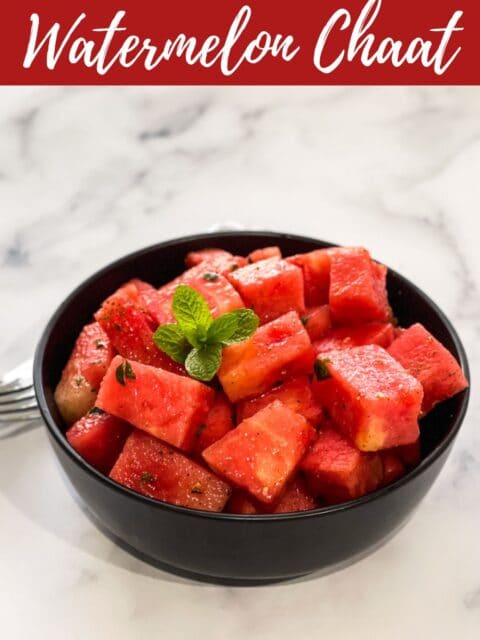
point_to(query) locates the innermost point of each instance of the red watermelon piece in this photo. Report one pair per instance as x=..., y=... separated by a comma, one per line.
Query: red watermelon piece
x=337, y=471
x=393, y=467
x=262, y=453
x=99, y=438
x=381, y=333
x=316, y=274
x=429, y=362
x=129, y=325
x=270, y=287
x=264, y=254
x=296, y=497
x=166, y=405
x=357, y=291
x=277, y=351
x=216, y=260
x=155, y=469
x=369, y=396
x=218, y=422
x=77, y=390
x=243, y=504
x=296, y=394
x=317, y=321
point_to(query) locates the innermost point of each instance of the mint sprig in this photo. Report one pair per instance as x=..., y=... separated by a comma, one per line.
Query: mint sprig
x=197, y=340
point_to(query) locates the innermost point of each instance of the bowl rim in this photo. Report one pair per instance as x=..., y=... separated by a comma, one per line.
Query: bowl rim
x=59, y=437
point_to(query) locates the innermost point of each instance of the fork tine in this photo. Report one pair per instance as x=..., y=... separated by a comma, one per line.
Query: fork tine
x=16, y=396
x=11, y=387
x=19, y=416
x=18, y=405
x=18, y=379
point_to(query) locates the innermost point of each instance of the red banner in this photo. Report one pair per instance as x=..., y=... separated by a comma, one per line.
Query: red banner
x=249, y=42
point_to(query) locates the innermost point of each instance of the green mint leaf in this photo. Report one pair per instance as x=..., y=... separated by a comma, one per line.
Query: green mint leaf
x=222, y=329
x=192, y=314
x=120, y=374
x=204, y=363
x=170, y=339
x=210, y=277
x=321, y=369
x=248, y=322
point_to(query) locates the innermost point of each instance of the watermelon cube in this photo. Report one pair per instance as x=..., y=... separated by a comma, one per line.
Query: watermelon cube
x=337, y=471
x=381, y=333
x=99, y=438
x=429, y=362
x=369, y=396
x=270, y=287
x=264, y=254
x=155, y=469
x=241, y=503
x=218, y=422
x=296, y=497
x=216, y=260
x=125, y=319
x=393, y=467
x=357, y=291
x=316, y=275
x=221, y=297
x=317, y=321
x=276, y=351
x=262, y=453
x=76, y=392
x=296, y=394
x=166, y=405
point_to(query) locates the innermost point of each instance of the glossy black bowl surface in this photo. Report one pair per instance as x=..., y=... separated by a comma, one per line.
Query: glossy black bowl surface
x=235, y=547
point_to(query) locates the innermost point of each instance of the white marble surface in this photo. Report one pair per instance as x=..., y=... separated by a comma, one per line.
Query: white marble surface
x=87, y=174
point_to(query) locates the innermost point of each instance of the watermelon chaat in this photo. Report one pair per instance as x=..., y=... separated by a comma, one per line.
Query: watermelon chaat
x=254, y=385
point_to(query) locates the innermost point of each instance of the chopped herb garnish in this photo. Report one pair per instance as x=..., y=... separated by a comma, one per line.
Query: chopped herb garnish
x=146, y=477
x=234, y=267
x=249, y=260
x=304, y=320
x=211, y=277
x=96, y=411
x=200, y=430
x=124, y=370
x=100, y=344
x=197, y=488
x=79, y=380
x=117, y=327
x=321, y=369
x=129, y=372
x=120, y=374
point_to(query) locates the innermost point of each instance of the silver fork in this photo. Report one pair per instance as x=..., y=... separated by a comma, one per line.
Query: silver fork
x=18, y=405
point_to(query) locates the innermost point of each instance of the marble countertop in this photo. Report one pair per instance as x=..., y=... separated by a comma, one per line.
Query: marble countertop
x=88, y=174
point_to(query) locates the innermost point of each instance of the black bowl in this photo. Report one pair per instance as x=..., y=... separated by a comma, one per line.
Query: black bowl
x=237, y=547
